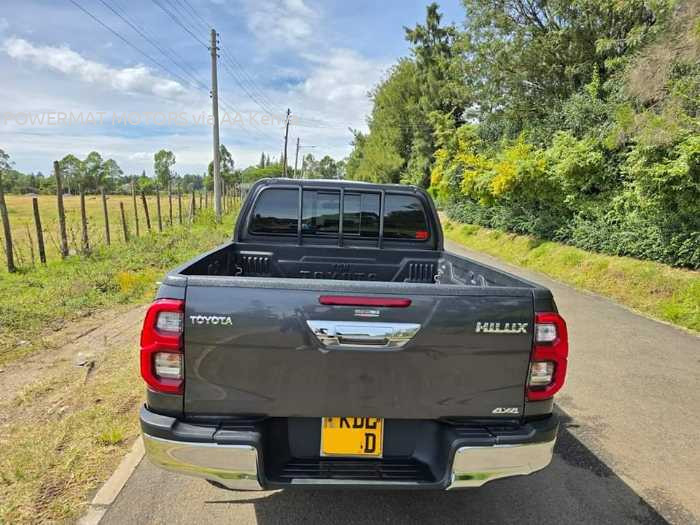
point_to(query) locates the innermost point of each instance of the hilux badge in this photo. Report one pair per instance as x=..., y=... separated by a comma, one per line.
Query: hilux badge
x=498, y=328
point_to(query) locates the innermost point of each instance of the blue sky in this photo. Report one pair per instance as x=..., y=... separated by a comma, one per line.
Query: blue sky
x=317, y=57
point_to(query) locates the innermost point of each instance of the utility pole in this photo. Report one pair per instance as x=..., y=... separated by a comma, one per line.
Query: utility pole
x=286, y=134
x=215, y=112
x=296, y=159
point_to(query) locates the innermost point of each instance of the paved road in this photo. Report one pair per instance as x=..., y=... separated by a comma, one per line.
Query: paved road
x=628, y=452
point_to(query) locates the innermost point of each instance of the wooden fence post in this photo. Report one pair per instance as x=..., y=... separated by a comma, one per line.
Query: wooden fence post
x=200, y=200
x=160, y=220
x=39, y=231
x=104, y=209
x=179, y=203
x=6, y=230
x=170, y=201
x=136, y=208
x=206, y=198
x=61, y=211
x=192, y=207
x=124, y=228
x=145, y=210
x=84, y=223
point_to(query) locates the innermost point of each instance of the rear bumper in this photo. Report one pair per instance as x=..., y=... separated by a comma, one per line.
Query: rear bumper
x=241, y=457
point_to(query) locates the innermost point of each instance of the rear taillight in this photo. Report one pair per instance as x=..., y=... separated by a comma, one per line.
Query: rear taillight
x=549, y=354
x=162, y=359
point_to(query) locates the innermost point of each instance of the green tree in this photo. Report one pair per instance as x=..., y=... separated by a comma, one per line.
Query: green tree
x=400, y=144
x=109, y=174
x=92, y=170
x=226, y=166
x=163, y=161
x=5, y=162
x=525, y=58
x=327, y=168
x=73, y=172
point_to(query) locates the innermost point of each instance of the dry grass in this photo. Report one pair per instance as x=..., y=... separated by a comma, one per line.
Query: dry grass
x=666, y=293
x=63, y=431
x=23, y=229
x=70, y=437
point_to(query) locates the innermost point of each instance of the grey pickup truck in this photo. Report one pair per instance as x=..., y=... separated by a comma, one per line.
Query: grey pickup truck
x=334, y=342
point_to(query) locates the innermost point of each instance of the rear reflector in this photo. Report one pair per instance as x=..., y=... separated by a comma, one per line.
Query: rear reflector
x=162, y=360
x=168, y=365
x=353, y=300
x=549, y=356
x=541, y=373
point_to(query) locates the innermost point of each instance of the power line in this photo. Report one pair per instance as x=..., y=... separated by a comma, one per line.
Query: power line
x=247, y=75
x=178, y=22
x=240, y=83
x=194, y=11
x=149, y=57
x=127, y=42
x=133, y=26
x=177, y=6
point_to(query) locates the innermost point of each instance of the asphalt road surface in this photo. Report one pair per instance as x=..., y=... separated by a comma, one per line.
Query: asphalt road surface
x=627, y=453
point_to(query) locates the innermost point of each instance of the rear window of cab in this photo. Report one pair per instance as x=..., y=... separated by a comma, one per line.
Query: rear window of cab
x=276, y=211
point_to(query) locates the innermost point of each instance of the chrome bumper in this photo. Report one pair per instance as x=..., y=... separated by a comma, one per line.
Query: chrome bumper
x=236, y=466
x=474, y=466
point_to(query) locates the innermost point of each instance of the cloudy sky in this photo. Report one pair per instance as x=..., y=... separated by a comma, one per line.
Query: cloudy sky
x=70, y=85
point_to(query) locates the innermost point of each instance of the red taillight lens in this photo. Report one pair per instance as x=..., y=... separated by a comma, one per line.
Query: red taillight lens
x=422, y=235
x=161, y=346
x=549, y=355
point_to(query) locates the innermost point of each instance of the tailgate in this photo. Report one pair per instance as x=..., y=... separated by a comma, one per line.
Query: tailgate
x=253, y=351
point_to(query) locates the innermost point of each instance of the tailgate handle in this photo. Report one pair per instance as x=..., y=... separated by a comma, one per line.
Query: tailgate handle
x=339, y=334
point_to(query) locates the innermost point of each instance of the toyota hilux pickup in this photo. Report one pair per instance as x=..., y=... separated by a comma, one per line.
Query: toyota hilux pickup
x=335, y=342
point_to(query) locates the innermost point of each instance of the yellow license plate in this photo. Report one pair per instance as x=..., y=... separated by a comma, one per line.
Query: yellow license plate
x=352, y=436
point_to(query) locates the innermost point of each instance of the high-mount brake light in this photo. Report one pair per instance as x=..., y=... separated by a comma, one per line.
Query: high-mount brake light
x=356, y=300
x=162, y=359
x=549, y=356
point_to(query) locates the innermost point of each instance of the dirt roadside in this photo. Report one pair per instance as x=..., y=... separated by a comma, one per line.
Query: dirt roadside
x=68, y=414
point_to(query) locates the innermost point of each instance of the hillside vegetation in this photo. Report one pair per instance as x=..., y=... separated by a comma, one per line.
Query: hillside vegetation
x=574, y=121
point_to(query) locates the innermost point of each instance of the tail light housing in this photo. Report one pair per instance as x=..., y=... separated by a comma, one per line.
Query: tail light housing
x=162, y=358
x=549, y=356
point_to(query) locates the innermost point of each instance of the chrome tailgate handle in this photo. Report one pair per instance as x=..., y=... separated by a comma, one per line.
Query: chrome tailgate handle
x=338, y=334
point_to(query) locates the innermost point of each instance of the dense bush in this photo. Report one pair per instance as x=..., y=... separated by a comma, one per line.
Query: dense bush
x=643, y=202
x=571, y=120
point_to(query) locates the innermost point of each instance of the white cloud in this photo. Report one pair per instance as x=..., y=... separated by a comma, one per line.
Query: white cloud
x=288, y=22
x=141, y=155
x=337, y=87
x=138, y=79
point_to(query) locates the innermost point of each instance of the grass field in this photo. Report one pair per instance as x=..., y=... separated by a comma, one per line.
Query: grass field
x=21, y=217
x=662, y=292
x=44, y=298
x=82, y=420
